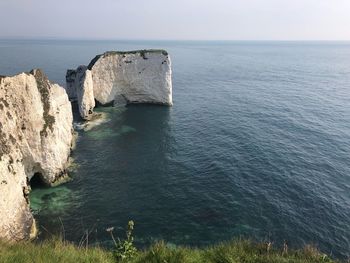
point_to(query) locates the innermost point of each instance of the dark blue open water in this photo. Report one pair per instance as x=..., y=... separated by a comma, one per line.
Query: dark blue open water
x=257, y=144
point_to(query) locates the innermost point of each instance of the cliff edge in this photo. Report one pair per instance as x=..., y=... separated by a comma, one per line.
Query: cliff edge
x=36, y=135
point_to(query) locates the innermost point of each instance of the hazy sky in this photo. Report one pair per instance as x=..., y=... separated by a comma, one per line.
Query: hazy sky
x=177, y=19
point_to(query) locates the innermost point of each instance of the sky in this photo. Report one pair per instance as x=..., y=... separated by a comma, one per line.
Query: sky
x=176, y=19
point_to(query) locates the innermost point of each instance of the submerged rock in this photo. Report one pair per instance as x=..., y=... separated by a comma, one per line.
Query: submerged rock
x=51, y=201
x=142, y=76
x=36, y=136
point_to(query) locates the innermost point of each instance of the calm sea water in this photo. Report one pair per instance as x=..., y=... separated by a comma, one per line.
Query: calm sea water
x=257, y=145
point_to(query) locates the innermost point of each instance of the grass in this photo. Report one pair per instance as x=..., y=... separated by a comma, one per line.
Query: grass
x=56, y=250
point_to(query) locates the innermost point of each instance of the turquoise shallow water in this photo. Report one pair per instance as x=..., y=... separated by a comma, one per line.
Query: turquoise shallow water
x=257, y=144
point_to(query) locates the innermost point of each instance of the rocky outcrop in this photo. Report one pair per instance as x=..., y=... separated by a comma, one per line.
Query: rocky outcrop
x=85, y=92
x=142, y=76
x=36, y=136
x=139, y=76
x=70, y=84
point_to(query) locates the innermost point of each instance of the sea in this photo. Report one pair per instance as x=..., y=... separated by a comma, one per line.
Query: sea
x=256, y=146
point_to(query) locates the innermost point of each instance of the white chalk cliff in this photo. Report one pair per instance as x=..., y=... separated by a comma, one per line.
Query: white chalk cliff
x=36, y=136
x=85, y=92
x=142, y=76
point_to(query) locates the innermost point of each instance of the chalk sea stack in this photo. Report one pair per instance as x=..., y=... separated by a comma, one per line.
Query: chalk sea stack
x=36, y=136
x=142, y=76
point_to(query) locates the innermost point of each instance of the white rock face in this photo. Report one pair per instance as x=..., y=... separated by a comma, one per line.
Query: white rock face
x=139, y=76
x=85, y=92
x=142, y=76
x=36, y=135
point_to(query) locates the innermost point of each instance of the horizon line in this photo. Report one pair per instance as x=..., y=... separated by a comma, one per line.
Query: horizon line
x=168, y=40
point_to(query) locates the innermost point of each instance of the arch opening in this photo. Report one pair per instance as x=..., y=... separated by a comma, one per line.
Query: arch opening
x=37, y=181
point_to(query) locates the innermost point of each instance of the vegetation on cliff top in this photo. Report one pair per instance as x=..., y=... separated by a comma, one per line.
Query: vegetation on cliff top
x=141, y=52
x=56, y=250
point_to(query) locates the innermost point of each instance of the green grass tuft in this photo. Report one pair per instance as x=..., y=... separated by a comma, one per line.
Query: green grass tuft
x=56, y=250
